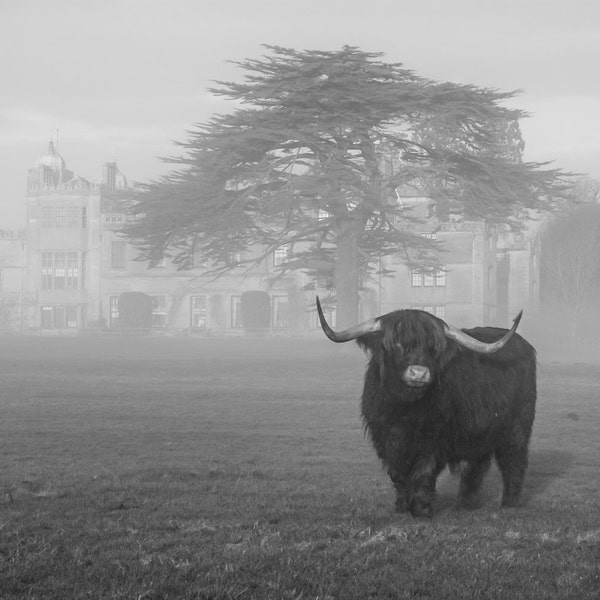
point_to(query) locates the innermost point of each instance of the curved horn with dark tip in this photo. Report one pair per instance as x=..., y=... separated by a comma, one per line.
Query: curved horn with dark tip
x=464, y=339
x=347, y=334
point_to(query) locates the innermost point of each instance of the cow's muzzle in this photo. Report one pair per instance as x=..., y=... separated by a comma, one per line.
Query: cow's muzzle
x=416, y=376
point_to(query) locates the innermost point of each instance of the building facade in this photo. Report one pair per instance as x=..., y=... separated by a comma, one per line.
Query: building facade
x=464, y=290
x=70, y=267
x=78, y=264
x=13, y=297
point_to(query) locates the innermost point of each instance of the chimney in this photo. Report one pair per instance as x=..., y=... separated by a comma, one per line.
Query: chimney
x=109, y=177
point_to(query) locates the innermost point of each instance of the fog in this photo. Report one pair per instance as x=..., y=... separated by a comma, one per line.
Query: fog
x=124, y=80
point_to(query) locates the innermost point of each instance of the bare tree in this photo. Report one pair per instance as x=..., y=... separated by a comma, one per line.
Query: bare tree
x=570, y=269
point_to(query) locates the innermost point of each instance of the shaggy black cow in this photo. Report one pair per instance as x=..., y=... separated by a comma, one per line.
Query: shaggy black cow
x=435, y=395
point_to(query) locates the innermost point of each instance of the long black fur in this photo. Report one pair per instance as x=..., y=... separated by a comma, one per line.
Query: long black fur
x=475, y=408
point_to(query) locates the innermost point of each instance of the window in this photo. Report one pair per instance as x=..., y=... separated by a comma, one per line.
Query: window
x=59, y=317
x=159, y=311
x=440, y=278
x=439, y=310
x=60, y=270
x=71, y=316
x=72, y=216
x=235, y=258
x=117, y=255
x=198, y=312
x=114, y=311
x=47, y=270
x=428, y=278
x=280, y=312
x=83, y=270
x=60, y=216
x=63, y=216
x=236, y=312
x=280, y=255
x=416, y=278
x=47, y=216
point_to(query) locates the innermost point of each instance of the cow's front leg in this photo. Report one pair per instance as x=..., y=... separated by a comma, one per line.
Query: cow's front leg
x=421, y=487
x=400, y=481
x=396, y=459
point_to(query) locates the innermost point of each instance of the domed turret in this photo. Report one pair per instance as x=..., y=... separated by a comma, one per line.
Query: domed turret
x=51, y=159
x=51, y=168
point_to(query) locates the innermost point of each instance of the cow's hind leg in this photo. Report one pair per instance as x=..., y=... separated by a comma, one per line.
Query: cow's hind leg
x=471, y=478
x=512, y=455
x=512, y=463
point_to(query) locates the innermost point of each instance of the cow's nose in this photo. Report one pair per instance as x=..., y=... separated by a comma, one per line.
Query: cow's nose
x=416, y=374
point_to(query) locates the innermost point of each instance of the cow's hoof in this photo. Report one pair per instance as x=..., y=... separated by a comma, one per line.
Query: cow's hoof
x=470, y=502
x=511, y=502
x=418, y=508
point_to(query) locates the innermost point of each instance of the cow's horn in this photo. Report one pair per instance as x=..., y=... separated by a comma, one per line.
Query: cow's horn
x=348, y=334
x=471, y=343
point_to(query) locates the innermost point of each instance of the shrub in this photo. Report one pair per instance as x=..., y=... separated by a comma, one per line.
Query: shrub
x=135, y=310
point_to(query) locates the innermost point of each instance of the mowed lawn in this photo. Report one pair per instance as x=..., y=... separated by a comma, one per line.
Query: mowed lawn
x=187, y=468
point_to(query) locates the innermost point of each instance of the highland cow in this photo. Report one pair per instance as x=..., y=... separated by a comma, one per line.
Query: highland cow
x=437, y=396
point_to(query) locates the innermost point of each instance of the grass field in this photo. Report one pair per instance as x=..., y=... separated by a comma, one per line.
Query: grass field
x=212, y=469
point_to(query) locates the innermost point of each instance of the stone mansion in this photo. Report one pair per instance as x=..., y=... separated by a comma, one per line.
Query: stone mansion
x=67, y=269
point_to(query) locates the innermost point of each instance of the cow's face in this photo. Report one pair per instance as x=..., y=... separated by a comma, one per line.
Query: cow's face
x=410, y=349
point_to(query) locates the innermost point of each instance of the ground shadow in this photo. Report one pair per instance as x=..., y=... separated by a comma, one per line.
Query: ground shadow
x=545, y=467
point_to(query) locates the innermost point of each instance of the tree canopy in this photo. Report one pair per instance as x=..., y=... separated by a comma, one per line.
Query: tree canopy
x=313, y=158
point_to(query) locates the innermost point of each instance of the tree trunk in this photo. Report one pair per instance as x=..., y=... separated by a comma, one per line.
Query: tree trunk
x=347, y=272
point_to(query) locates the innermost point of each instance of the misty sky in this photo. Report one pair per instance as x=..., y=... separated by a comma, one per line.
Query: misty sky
x=125, y=78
